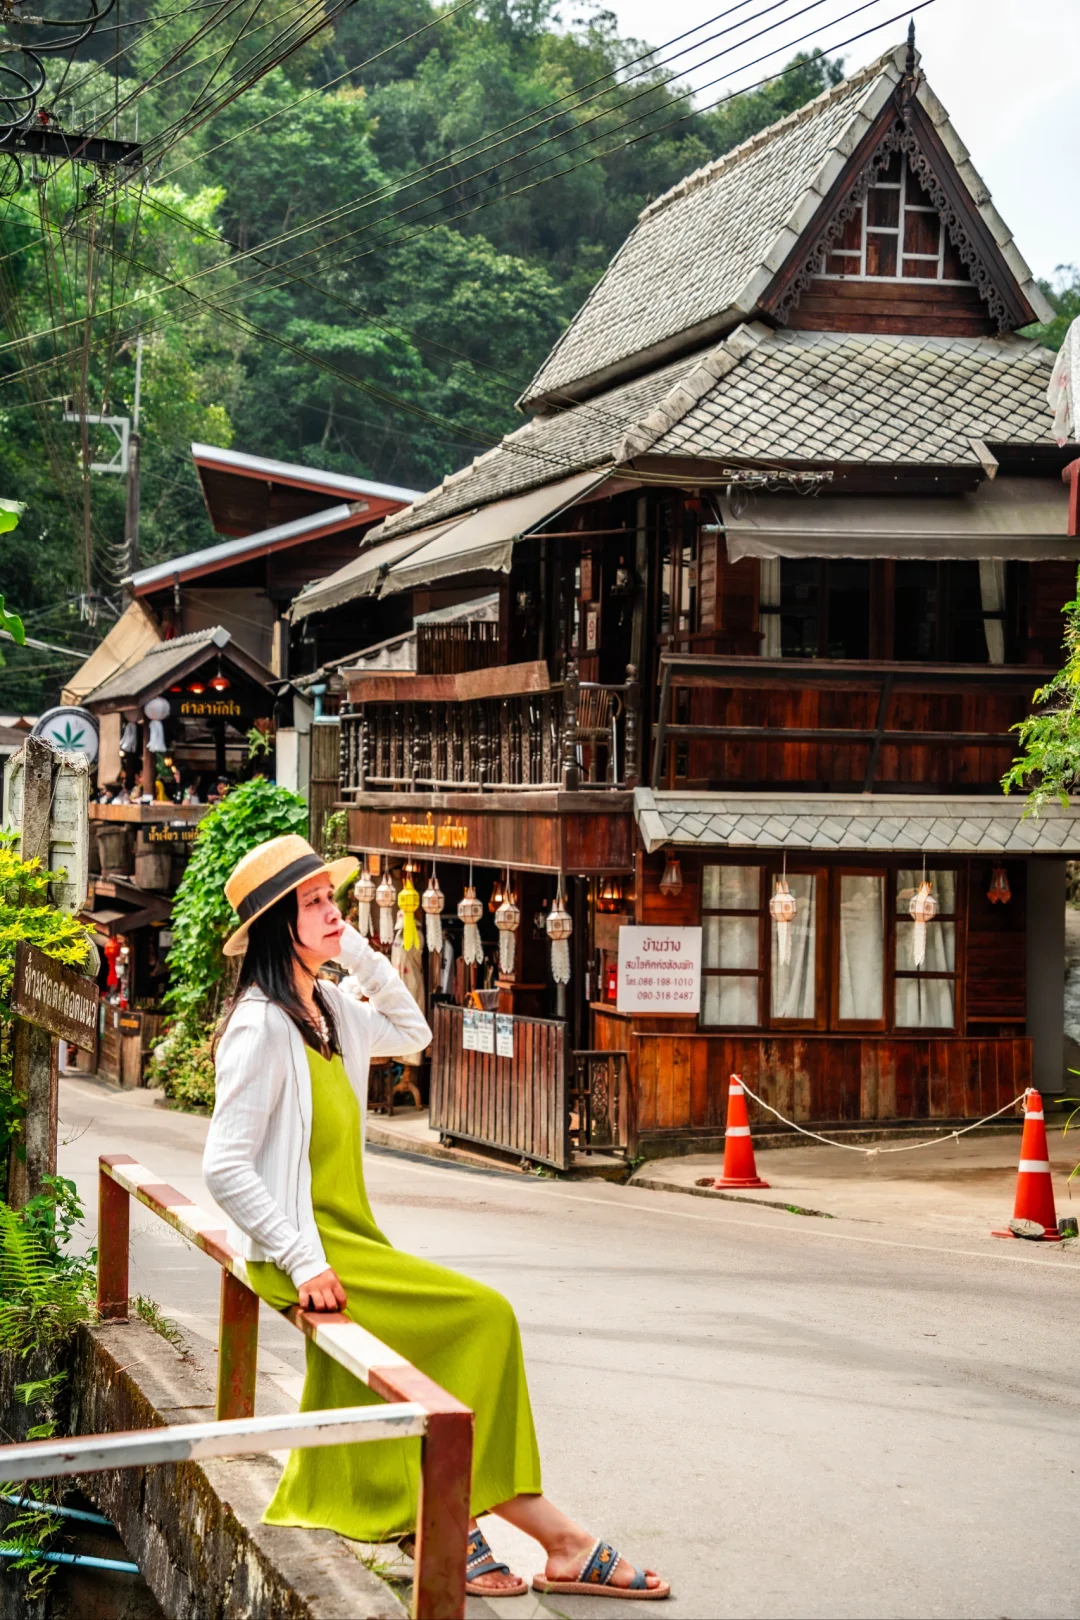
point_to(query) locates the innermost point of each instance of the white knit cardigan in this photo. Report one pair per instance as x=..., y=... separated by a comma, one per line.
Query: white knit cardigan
x=256, y=1158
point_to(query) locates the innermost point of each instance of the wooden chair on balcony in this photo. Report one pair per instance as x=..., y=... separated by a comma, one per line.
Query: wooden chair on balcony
x=598, y=709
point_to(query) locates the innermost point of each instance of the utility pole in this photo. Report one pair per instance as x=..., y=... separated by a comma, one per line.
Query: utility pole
x=131, y=516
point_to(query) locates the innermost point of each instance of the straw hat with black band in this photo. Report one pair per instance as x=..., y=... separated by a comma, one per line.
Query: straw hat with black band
x=271, y=870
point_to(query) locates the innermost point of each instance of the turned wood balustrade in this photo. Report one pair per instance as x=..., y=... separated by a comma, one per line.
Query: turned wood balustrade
x=569, y=735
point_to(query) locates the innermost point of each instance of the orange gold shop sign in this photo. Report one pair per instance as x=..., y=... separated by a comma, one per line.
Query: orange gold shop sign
x=426, y=835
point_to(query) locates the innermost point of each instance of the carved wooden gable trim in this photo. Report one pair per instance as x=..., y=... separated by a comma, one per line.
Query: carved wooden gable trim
x=904, y=129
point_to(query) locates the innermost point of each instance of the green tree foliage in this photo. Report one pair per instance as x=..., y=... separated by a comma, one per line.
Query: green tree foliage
x=356, y=263
x=1063, y=293
x=25, y=913
x=201, y=915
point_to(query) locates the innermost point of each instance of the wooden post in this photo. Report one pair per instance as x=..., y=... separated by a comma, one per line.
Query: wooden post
x=238, y=1347
x=571, y=772
x=630, y=733
x=35, y=1056
x=114, y=1212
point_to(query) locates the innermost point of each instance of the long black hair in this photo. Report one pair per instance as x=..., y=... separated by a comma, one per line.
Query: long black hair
x=270, y=963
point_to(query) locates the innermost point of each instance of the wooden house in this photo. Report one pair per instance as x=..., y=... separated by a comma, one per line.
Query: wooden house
x=781, y=554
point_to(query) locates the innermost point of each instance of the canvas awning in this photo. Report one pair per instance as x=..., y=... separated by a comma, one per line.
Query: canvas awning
x=1021, y=519
x=484, y=541
x=131, y=638
x=364, y=575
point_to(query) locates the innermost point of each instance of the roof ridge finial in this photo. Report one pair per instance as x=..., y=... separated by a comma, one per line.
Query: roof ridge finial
x=909, y=64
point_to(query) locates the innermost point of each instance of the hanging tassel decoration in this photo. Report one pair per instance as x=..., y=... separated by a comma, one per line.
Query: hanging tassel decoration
x=923, y=909
x=433, y=901
x=559, y=927
x=507, y=921
x=364, y=895
x=782, y=909
x=409, y=905
x=386, y=900
x=470, y=910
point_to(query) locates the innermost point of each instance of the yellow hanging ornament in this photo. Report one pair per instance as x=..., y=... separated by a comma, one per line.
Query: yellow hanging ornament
x=408, y=905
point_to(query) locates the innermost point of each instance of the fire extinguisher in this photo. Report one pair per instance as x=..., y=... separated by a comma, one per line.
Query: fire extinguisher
x=611, y=983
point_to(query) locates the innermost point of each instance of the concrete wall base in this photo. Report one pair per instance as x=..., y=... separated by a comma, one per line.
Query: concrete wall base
x=195, y=1529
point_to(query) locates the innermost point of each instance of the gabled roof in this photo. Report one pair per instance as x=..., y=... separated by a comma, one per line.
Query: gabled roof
x=130, y=638
x=702, y=258
x=780, y=396
x=301, y=477
x=280, y=538
x=170, y=661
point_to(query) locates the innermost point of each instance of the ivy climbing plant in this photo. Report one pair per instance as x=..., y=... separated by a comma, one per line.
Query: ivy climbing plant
x=201, y=916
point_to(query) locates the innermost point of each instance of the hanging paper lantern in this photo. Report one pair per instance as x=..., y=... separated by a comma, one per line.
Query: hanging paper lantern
x=999, y=890
x=364, y=895
x=923, y=909
x=470, y=910
x=433, y=901
x=507, y=921
x=386, y=900
x=671, y=883
x=782, y=909
x=156, y=711
x=129, y=740
x=409, y=905
x=111, y=949
x=559, y=928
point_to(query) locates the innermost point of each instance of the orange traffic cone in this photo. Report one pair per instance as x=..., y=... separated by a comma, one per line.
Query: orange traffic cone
x=1034, y=1187
x=739, y=1167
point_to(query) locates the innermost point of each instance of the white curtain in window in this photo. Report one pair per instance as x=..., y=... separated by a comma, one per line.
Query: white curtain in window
x=923, y=1003
x=862, y=946
x=769, y=609
x=992, y=590
x=793, y=982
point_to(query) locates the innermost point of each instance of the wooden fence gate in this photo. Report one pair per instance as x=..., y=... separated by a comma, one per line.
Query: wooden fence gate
x=325, y=761
x=517, y=1104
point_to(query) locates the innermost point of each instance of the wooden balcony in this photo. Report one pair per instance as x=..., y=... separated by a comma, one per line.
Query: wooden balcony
x=493, y=730
x=747, y=722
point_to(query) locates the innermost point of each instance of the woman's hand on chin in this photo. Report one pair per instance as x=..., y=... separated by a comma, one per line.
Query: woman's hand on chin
x=322, y=1293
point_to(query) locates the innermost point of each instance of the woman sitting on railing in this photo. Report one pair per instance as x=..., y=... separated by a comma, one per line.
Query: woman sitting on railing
x=284, y=1159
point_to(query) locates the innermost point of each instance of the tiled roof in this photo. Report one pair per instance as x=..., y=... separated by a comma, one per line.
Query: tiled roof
x=702, y=256
x=156, y=665
x=859, y=823
x=836, y=396
x=795, y=396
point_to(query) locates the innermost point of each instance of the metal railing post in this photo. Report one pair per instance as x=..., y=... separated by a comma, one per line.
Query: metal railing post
x=442, y=1512
x=114, y=1220
x=238, y=1349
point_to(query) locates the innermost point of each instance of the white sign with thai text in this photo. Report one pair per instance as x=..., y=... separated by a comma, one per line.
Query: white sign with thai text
x=659, y=970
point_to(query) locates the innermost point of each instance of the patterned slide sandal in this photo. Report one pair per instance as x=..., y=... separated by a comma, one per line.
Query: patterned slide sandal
x=480, y=1560
x=595, y=1577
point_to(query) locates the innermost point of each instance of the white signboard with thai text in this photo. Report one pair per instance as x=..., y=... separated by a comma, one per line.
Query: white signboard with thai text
x=659, y=970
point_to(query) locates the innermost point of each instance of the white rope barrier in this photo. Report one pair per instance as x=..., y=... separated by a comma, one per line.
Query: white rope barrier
x=873, y=1152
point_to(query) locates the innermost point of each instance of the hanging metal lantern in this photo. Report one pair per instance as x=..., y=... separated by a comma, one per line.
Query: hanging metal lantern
x=507, y=921
x=433, y=900
x=497, y=896
x=782, y=910
x=559, y=927
x=470, y=910
x=671, y=884
x=386, y=900
x=999, y=890
x=923, y=909
x=364, y=895
x=409, y=904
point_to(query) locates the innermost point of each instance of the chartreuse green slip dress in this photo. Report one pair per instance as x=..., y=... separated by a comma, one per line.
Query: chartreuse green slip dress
x=457, y=1331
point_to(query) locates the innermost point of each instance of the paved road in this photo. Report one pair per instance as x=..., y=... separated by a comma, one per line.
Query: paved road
x=788, y=1417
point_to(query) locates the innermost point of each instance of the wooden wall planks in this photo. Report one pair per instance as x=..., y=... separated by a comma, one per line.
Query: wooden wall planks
x=518, y=1105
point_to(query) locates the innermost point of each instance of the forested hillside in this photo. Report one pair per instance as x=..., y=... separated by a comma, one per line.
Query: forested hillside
x=356, y=263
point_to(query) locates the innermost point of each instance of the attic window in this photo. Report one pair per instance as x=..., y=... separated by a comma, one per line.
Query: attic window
x=895, y=235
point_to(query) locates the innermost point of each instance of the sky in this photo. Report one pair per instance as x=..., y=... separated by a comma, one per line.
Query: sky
x=1008, y=72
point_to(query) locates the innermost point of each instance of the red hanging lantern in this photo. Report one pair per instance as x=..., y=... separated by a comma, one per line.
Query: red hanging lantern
x=999, y=890
x=111, y=951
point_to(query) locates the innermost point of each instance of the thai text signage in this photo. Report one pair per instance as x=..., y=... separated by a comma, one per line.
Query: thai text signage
x=55, y=998
x=659, y=970
x=427, y=834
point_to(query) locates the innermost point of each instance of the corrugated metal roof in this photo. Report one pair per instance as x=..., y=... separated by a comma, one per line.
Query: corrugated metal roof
x=251, y=545
x=293, y=472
